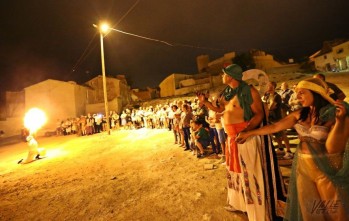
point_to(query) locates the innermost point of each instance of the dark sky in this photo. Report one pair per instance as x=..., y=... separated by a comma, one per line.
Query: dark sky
x=41, y=39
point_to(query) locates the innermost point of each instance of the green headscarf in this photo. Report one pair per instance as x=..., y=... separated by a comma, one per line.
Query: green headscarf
x=243, y=91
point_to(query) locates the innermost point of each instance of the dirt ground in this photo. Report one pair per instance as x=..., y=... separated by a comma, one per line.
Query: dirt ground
x=128, y=175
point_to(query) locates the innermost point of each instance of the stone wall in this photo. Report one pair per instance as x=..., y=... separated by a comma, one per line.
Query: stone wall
x=284, y=69
x=11, y=126
x=114, y=105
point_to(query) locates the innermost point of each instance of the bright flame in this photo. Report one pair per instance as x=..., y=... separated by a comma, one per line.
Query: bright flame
x=34, y=119
x=104, y=28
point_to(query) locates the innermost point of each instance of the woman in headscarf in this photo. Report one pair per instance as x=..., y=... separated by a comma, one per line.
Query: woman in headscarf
x=319, y=186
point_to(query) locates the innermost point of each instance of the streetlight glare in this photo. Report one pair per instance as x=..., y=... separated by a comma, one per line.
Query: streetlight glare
x=104, y=28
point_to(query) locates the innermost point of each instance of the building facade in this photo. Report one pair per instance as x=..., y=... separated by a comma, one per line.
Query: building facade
x=58, y=99
x=118, y=94
x=333, y=56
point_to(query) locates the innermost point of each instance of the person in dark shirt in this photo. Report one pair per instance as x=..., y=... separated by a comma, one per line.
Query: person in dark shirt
x=337, y=94
x=285, y=94
x=202, y=137
x=274, y=101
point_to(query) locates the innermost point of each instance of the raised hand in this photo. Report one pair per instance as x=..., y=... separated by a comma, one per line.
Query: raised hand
x=341, y=111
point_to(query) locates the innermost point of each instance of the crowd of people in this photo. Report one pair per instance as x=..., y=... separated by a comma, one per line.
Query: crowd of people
x=239, y=125
x=183, y=117
x=319, y=182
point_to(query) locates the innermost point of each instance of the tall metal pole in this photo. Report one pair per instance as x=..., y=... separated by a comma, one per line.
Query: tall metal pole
x=104, y=84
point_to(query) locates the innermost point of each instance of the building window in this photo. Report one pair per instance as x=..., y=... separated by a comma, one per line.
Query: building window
x=325, y=56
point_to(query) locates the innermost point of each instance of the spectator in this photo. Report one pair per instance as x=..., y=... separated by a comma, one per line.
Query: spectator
x=202, y=138
x=252, y=177
x=294, y=103
x=320, y=173
x=285, y=94
x=211, y=120
x=273, y=101
x=337, y=94
x=186, y=117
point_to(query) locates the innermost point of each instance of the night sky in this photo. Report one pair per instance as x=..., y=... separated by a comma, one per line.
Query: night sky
x=42, y=39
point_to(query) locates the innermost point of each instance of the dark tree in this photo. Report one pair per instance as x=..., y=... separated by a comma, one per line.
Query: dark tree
x=245, y=60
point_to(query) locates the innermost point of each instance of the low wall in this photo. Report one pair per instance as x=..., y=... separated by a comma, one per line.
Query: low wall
x=113, y=105
x=284, y=69
x=11, y=126
x=192, y=89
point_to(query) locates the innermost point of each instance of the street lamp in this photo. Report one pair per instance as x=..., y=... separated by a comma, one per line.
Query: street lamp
x=103, y=29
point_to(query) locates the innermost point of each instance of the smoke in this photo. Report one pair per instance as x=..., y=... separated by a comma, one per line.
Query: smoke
x=28, y=69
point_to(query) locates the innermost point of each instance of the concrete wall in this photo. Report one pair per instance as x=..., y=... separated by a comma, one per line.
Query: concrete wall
x=97, y=94
x=12, y=126
x=80, y=100
x=192, y=89
x=216, y=80
x=179, y=84
x=143, y=95
x=114, y=105
x=284, y=69
x=324, y=62
x=124, y=94
x=265, y=62
x=167, y=86
x=171, y=83
x=56, y=98
x=14, y=104
x=202, y=62
x=341, y=55
x=187, y=82
x=116, y=88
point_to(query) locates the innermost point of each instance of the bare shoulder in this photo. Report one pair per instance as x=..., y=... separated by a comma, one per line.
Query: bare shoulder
x=295, y=115
x=255, y=94
x=254, y=91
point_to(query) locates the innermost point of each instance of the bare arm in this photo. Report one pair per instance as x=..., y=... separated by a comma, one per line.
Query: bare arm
x=209, y=104
x=338, y=136
x=285, y=123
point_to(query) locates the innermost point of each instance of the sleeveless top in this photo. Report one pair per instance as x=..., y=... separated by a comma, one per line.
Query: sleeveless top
x=314, y=133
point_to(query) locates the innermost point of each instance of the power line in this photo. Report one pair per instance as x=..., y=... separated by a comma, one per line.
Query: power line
x=139, y=36
x=172, y=44
x=84, y=54
x=122, y=18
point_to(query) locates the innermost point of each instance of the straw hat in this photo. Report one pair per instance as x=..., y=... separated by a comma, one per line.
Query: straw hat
x=318, y=86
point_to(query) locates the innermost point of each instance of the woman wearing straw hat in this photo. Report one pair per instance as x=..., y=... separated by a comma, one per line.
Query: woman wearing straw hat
x=319, y=186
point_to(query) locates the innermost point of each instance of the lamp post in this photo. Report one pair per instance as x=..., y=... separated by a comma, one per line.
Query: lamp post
x=103, y=28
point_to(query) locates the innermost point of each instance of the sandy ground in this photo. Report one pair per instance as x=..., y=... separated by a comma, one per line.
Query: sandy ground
x=128, y=175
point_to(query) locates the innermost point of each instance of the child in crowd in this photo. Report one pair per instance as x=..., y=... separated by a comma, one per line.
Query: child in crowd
x=202, y=138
